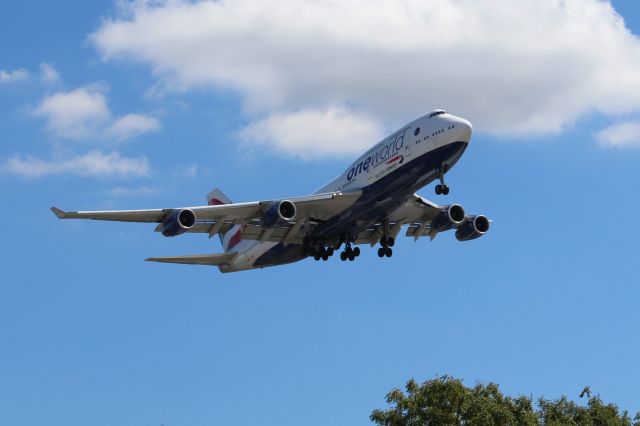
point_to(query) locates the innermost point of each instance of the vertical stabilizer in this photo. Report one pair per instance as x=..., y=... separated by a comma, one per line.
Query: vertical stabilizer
x=215, y=198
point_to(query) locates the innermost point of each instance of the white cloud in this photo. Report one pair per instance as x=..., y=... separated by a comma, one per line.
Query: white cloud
x=511, y=67
x=623, y=135
x=75, y=114
x=315, y=133
x=13, y=76
x=132, y=125
x=83, y=113
x=94, y=163
x=48, y=73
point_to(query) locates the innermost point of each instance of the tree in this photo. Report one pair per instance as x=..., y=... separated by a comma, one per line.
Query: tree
x=445, y=401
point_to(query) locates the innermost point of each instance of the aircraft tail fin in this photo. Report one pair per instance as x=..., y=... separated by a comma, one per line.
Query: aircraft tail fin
x=215, y=198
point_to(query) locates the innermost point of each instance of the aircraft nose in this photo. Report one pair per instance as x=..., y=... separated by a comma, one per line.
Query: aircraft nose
x=464, y=130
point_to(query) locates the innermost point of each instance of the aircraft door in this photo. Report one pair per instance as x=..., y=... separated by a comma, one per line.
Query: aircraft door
x=409, y=142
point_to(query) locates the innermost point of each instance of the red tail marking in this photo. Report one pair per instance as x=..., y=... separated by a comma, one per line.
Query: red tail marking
x=236, y=238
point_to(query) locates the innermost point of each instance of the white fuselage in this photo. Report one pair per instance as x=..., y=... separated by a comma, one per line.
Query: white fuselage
x=414, y=148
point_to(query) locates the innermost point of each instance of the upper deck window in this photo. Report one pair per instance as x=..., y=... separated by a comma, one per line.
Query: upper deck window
x=437, y=112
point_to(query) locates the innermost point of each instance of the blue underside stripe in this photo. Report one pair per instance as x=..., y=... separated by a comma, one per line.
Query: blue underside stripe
x=395, y=188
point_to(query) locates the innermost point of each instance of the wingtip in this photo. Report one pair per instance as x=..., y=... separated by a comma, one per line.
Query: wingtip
x=156, y=259
x=59, y=213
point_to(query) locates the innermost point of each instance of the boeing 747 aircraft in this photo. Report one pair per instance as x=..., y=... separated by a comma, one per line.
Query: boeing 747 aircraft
x=368, y=204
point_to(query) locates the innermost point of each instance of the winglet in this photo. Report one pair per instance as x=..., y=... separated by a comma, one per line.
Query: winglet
x=59, y=213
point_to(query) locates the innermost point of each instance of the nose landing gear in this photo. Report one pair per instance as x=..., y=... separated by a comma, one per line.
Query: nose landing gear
x=442, y=188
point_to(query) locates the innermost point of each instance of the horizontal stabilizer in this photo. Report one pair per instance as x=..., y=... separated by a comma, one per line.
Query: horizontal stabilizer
x=197, y=259
x=59, y=213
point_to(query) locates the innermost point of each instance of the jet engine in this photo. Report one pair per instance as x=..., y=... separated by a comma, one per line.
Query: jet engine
x=279, y=213
x=450, y=217
x=472, y=228
x=178, y=222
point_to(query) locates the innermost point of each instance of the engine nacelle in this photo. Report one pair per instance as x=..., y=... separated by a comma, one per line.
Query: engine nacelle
x=279, y=214
x=178, y=222
x=472, y=228
x=450, y=217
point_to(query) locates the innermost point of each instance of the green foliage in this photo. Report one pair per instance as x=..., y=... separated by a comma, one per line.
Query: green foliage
x=445, y=401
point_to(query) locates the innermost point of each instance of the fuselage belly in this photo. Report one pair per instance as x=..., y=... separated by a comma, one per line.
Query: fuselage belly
x=387, y=176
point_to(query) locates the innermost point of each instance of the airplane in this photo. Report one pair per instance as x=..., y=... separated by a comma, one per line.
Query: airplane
x=367, y=204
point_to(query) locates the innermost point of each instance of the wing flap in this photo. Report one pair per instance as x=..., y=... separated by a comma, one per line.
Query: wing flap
x=196, y=259
x=416, y=209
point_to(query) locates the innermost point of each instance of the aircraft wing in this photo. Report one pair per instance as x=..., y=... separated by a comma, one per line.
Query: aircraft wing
x=417, y=212
x=317, y=207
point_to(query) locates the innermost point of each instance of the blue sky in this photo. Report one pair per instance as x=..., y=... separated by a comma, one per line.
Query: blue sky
x=106, y=105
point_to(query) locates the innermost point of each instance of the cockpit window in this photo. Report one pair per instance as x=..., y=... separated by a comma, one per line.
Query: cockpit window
x=437, y=112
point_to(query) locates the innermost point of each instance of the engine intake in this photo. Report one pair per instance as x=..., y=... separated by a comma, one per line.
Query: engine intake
x=279, y=214
x=472, y=228
x=449, y=217
x=178, y=222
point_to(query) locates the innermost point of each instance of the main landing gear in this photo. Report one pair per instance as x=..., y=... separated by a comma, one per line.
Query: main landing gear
x=442, y=188
x=349, y=253
x=386, y=243
x=323, y=253
x=317, y=249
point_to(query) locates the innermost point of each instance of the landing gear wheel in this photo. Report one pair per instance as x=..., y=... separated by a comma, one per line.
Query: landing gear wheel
x=356, y=251
x=382, y=251
x=317, y=256
x=351, y=257
x=445, y=190
x=384, y=242
x=330, y=251
x=343, y=256
x=325, y=256
x=391, y=241
x=388, y=252
x=438, y=189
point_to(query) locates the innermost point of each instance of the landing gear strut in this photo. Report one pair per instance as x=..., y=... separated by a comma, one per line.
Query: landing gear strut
x=442, y=188
x=386, y=243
